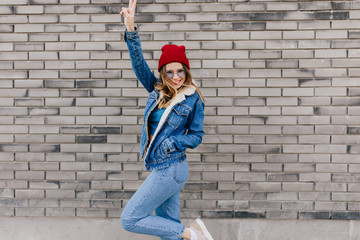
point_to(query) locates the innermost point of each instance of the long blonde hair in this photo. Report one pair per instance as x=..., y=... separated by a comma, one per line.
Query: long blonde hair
x=168, y=91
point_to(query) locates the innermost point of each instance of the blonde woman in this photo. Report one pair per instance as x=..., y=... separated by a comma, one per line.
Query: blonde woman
x=173, y=122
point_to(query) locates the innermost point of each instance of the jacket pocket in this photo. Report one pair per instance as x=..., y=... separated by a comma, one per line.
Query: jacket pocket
x=178, y=115
x=165, y=149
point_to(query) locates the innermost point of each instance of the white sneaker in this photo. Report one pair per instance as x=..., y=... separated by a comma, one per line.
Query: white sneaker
x=201, y=231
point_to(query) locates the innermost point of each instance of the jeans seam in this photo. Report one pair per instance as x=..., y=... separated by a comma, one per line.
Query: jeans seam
x=165, y=212
x=149, y=190
x=181, y=232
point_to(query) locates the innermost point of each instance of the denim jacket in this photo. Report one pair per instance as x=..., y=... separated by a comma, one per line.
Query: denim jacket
x=181, y=125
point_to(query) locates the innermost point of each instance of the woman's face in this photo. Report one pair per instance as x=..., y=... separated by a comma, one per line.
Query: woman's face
x=176, y=74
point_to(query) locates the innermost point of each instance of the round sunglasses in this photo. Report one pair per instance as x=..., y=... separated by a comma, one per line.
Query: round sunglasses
x=180, y=73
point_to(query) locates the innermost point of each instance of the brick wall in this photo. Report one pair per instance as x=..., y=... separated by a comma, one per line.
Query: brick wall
x=282, y=87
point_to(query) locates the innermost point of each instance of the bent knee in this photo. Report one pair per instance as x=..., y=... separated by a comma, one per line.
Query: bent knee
x=127, y=223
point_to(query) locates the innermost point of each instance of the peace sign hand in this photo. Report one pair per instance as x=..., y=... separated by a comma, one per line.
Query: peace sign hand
x=129, y=15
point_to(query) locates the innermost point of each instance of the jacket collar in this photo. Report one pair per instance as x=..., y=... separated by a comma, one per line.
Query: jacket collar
x=187, y=91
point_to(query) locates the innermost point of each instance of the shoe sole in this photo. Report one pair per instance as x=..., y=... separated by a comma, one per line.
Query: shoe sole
x=204, y=229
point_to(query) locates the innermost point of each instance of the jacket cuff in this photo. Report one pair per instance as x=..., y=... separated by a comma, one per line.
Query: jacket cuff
x=131, y=35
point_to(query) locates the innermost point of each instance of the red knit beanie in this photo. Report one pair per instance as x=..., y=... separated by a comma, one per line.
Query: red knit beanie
x=173, y=53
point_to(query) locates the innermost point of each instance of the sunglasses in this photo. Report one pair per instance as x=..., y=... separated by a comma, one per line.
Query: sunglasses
x=180, y=73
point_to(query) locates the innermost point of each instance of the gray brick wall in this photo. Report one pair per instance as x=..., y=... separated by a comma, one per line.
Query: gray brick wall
x=281, y=82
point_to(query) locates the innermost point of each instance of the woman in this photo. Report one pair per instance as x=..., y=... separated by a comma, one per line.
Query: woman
x=173, y=121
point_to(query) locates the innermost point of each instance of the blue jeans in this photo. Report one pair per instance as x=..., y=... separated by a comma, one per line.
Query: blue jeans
x=160, y=192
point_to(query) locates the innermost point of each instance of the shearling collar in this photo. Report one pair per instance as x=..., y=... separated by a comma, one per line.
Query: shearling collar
x=187, y=91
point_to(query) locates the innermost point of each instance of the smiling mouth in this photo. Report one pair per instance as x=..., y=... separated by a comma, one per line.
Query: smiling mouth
x=177, y=82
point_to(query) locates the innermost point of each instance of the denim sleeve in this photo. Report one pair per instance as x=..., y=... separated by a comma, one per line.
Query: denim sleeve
x=140, y=67
x=195, y=131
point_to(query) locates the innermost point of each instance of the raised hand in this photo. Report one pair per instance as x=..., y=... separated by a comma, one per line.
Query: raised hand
x=129, y=15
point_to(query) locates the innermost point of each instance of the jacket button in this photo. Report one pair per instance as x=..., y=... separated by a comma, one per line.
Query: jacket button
x=168, y=149
x=147, y=167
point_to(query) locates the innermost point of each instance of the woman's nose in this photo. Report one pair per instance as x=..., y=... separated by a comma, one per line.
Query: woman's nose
x=176, y=76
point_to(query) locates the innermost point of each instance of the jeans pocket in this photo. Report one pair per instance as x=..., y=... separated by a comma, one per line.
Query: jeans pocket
x=181, y=172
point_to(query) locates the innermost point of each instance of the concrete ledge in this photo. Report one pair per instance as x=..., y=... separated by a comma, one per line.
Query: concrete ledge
x=44, y=228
